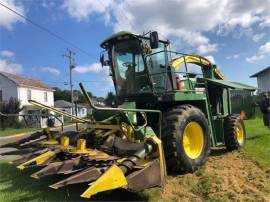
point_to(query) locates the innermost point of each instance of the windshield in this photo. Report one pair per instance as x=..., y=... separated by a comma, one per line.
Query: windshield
x=130, y=73
x=156, y=61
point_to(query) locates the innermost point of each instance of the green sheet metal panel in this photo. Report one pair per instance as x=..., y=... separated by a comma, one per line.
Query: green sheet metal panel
x=240, y=97
x=219, y=129
x=233, y=85
x=189, y=95
x=242, y=101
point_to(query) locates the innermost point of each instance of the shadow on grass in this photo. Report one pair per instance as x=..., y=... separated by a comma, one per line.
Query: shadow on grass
x=16, y=185
x=254, y=137
x=258, y=136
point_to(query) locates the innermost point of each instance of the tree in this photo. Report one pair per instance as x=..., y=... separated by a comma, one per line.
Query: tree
x=110, y=99
x=10, y=107
x=66, y=95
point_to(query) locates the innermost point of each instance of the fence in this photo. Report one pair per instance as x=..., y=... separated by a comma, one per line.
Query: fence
x=34, y=120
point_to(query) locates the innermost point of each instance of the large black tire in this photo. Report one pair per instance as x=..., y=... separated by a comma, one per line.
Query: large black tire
x=232, y=125
x=175, y=121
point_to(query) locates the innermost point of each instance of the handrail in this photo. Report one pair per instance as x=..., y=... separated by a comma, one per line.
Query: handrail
x=59, y=111
x=191, y=59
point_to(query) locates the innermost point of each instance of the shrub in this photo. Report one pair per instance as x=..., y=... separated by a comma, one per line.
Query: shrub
x=10, y=107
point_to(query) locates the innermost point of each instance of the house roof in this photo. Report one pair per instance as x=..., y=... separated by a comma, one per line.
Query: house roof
x=65, y=104
x=260, y=72
x=27, y=82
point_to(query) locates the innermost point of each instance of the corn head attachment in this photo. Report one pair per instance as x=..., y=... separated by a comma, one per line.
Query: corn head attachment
x=108, y=154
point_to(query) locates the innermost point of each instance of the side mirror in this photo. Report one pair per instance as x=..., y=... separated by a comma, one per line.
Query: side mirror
x=104, y=62
x=110, y=72
x=101, y=60
x=154, y=40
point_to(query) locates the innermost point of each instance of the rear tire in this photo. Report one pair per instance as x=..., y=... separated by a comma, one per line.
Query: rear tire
x=234, y=132
x=186, y=138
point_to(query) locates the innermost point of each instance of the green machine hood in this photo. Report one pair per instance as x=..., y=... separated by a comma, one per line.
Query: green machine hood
x=232, y=85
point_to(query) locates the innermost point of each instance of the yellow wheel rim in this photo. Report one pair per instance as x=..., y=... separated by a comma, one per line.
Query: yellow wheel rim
x=193, y=140
x=239, y=133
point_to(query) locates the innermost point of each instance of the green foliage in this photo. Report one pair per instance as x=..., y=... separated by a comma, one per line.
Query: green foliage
x=258, y=141
x=14, y=131
x=10, y=107
x=110, y=99
x=66, y=95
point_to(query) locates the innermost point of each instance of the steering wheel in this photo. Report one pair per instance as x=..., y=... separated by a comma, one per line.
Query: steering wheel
x=128, y=64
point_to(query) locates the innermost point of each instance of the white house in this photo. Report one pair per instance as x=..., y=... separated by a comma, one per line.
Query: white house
x=67, y=107
x=100, y=101
x=263, y=79
x=24, y=89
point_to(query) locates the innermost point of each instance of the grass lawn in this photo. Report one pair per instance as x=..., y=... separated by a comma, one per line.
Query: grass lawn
x=12, y=131
x=18, y=186
x=258, y=142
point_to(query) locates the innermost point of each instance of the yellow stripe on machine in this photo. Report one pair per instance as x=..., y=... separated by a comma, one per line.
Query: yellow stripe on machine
x=219, y=74
x=178, y=61
x=160, y=153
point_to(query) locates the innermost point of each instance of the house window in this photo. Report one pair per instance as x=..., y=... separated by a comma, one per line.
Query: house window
x=1, y=96
x=29, y=94
x=45, y=97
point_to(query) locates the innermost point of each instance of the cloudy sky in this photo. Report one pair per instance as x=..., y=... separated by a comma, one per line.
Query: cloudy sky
x=233, y=34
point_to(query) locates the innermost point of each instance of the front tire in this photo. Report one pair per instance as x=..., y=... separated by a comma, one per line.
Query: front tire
x=185, y=138
x=235, y=132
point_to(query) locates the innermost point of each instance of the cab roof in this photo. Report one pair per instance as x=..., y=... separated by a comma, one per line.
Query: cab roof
x=124, y=35
x=118, y=35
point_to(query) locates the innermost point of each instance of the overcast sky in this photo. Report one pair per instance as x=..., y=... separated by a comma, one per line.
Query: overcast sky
x=235, y=34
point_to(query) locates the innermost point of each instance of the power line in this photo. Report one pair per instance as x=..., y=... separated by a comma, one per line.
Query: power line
x=67, y=83
x=48, y=31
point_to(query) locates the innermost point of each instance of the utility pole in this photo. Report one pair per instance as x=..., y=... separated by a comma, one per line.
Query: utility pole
x=70, y=56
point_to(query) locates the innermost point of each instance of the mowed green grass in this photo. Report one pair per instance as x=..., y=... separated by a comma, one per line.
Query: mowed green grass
x=17, y=185
x=12, y=131
x=258, y=142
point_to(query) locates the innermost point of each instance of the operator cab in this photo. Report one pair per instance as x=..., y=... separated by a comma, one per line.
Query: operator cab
x=132, y=60
x=143, y=67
